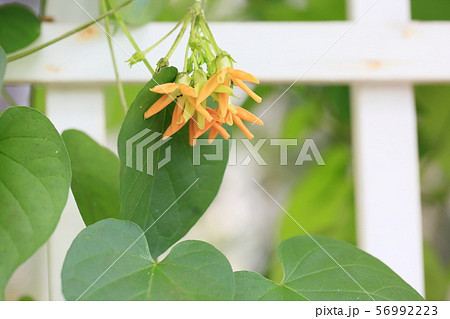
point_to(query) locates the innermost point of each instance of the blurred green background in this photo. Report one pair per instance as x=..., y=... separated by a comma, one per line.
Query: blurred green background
x=322, y=197
x=323, y=113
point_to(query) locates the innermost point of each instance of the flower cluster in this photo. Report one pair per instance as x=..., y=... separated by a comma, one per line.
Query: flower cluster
x=203, y=98
x=191, y=94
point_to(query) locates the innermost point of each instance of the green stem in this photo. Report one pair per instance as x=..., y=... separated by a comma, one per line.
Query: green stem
x=127, y=33
x=191, y=38
x=14, y=57
x=123, y=100
x=42, y=8
x=8, y=98
x=207, y=31
x=177, y=40
x=207, y=49
x=165, y=37
x=186, y=55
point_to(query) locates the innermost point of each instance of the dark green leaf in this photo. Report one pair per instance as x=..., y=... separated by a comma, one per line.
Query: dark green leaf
x=312, y=273
x=34, y=184
x=2, y=66
x=169, y=202
x=252, y=286
x=95, y=177
x=110, y=260
x=19, y=27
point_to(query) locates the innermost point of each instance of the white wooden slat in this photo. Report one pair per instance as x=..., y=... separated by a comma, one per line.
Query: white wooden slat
x=380, y=10
x=72, y=107
x=79, y=108
x=68, y=11
x=386, y=164
x=370, y=51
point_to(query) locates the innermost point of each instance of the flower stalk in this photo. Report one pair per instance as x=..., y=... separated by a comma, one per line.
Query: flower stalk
x=208, y=73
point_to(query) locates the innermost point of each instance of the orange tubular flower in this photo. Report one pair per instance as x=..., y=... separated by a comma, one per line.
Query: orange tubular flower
x=236, y=114
x=191, y=102
x=222, y=79
x=218, y=86
x=186, y=104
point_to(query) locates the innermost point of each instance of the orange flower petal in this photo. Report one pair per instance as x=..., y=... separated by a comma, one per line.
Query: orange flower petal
x=192, y=132
x=229, y=118
x=161, y=103
x=241, y=125
x=188, y=91
x=200, y=109
x=252, y=94
x=178, y=111
x=247, y=116
x=200, y=132
x=165, y=88
x=221, y=130
x=214, y=114
x=212, y=134
x=208, y=88
x=222, y=75
x=242, y=75
x=172, y=129
x=223, y=100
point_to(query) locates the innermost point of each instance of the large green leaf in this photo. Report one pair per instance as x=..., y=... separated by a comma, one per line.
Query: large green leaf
x=95, y=177
x=140, y=12
x=169, y=202
x=333, y=217
x=2, y=65
x=34, y=184
x=19, y=27
x=110, y=260
x=310, y=273
x=252, y=286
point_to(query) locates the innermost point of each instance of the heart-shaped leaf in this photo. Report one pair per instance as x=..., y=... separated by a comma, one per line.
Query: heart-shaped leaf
x=252, y=286
x=95, y=177
x=310, y=273
x=110, y=260
x=2, y=65
x=169, y=202
x=34, y=184
x=19, y=27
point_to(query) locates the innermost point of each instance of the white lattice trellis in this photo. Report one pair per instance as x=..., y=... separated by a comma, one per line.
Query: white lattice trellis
x=379, y=52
